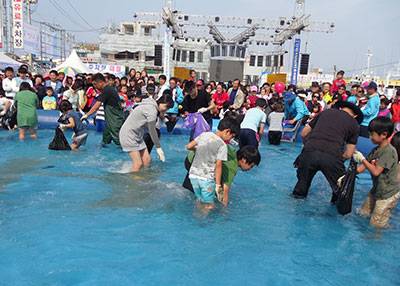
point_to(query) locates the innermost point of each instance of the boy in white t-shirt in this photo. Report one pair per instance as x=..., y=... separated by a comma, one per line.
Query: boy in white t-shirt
x=206, y=170
x=275, y=120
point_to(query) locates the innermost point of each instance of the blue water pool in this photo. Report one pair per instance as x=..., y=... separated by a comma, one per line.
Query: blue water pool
x=70, y=218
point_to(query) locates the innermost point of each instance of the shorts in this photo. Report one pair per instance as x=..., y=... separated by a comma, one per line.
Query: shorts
x=80, y=140
x=203, y=190
x=380, y=210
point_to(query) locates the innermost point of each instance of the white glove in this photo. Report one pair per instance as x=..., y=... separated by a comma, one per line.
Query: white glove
x=358, y=156
x=202, y=110
x=340, y=181
x=62, y=126
x=220, y=193
x=73, y=136
x=161, y=155
x=84, y=117
x=166, y=120
x=259, y=144
x=3, y=113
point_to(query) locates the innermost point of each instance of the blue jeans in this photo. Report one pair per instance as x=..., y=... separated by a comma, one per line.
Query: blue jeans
x=100, y=125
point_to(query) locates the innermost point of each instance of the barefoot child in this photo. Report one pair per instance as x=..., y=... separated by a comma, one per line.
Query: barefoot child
x=206, y=170
x=80, y=133
x=382, y=163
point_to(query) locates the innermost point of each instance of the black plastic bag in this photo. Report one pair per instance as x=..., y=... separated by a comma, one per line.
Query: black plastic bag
x=59, y=142
x=345, y=192
x=186, y=183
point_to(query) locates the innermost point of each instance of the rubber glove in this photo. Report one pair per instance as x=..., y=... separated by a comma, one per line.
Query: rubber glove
x=62, y=126
x=202, y=110
x=73, y=136
x=220, y=193
x=358, y=156
x=340, y=181
x=84, y=117
x=3, y=113
x=161, y=155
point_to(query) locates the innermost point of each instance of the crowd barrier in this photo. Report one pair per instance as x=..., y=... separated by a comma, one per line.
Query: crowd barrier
x=48, y=120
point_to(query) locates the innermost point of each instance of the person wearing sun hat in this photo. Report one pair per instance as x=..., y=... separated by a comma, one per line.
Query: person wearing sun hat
x=295, y=108
x=325, y=137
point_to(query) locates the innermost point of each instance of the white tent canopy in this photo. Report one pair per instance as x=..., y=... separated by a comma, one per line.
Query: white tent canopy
x=75, y=62
x=6, y=61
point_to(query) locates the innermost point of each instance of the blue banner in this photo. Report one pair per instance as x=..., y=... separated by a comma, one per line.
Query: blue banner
x=295, y=65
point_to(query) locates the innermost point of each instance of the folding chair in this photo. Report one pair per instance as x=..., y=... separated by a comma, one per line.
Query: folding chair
x=294, y=130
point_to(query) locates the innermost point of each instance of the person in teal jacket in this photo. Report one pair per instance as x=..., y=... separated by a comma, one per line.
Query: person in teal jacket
x=172, y=114
x=295, y=108
x=371, y=110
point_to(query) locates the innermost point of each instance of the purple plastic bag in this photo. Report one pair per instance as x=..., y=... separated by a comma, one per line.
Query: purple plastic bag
x=197, y=121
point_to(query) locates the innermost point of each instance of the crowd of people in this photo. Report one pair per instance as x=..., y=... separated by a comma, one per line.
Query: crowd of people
x=130, y=111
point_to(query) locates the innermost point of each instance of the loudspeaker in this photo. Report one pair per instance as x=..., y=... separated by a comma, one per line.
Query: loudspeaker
x=305, y=59
x=158, y=55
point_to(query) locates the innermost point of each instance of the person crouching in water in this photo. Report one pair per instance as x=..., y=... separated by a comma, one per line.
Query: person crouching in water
x=382, y=163
x=206, y=170
x=131, y=135
x=253, y=121
x=80, y=133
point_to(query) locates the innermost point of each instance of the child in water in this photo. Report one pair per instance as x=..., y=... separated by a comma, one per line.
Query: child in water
x=206, y=171
x=245, y=159
x=382, y=163
x=275, y=119
x=80, y=133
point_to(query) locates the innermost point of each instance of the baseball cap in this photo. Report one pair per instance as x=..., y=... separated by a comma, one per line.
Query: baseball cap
x=199, y=82
x=253, y=88
x=289, y=95
x=371, y=85
x=314, y=84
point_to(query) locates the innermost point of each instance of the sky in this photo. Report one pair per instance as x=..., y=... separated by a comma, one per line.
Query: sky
x=359, y=25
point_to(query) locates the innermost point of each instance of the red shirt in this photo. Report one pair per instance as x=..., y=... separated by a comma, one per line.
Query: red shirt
x=395, y=110
x=91, y=93
x=336, y=84
x=252, y=101
x=220, y=99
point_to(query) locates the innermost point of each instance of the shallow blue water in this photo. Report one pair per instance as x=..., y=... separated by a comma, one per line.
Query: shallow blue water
x=70, y=218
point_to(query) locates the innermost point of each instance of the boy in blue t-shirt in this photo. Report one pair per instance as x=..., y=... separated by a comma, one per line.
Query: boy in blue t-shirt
x=80, y=133
x=254, y=118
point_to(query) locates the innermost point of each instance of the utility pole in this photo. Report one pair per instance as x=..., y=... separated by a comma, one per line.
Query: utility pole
x=1, y=24
x=28, y=10
x=300, y=12
x=10, y=27
x=167, y=42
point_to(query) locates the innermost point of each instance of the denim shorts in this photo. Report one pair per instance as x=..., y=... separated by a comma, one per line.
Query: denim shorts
x=203, y=190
